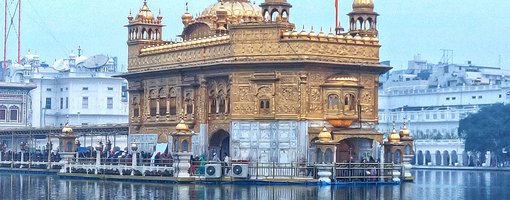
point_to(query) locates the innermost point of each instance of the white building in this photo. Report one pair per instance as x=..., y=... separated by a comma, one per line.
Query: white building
x=433, y=99
x=79, y=88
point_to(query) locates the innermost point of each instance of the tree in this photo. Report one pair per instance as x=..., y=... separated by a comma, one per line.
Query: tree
x=487, y=130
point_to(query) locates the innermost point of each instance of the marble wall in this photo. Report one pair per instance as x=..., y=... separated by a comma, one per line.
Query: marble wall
x=269, y=141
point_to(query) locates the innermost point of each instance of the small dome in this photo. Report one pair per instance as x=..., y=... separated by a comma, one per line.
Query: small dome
x=145, y=13
x=186, y=18
x=67, y=129
x=404, y=133
x=182, y=127
x=394, y=136
x=325, y=135
x=363, y=4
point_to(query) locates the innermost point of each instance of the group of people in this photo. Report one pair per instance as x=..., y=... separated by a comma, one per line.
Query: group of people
x=198, y=163
x=37, y=156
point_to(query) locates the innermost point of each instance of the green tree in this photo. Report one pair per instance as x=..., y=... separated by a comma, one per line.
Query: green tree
x=487, y=130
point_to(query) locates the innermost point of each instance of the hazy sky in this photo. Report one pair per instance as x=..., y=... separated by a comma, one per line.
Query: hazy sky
x=475, y=29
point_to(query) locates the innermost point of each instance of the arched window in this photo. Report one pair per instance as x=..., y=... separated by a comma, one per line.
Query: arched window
x=173, y=101
x=388, y=157
x=319, y=156
x=264, y=104
x=267, y=16
x=3, y=112
x=14, y=110
x=189, y=104
x=176, y=146
x=212, y=102
x=285, y=14
x=212, y=109
x=185, y=146
x=136, y=107
x=154, y=106
x=275, y=15
x=328, y=156
x=397, y=156
x=333, y=102
x=370, y=24
x=162, y=102
x=359, y=24
x=69, y=147
x=221, y=106
x=408, y=150
x=349, y=101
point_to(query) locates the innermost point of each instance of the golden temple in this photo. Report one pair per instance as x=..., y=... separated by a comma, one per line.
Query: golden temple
x=254, y=86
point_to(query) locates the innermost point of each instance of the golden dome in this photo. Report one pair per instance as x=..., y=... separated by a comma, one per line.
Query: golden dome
x=67, y=129
x=145, y=13
x=237, y=10
x=181, y=127
x=325, y=135
x=404, y=133
x=186, y=18
x=363, y=4
x=394, y=136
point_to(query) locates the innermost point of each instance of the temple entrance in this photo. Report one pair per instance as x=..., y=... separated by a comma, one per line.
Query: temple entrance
x=219, y=143
x=342, y=152
x=355, y=150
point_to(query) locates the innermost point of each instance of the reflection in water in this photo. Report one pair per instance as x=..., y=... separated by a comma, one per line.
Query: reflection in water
x=428, y=185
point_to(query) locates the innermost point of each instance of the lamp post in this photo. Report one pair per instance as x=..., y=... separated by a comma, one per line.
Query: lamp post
x=134, y=148
x=22, y=146
x=2, y=149
x=78, y=144
x=49, y=147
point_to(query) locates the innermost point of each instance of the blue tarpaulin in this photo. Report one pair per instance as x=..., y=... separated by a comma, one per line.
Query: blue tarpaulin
x=83, y=150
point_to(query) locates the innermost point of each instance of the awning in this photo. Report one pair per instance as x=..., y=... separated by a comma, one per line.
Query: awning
x=160, y=148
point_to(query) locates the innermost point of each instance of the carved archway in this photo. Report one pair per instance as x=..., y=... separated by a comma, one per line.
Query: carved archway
x=219, y=143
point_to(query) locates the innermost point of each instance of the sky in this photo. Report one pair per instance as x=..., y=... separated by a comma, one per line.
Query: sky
x=475, y=30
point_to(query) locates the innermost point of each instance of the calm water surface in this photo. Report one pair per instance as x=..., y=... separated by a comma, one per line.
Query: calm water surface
x=429, y=185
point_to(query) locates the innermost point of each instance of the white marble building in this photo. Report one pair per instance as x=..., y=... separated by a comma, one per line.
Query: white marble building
x=77, y=87
x=433, y=99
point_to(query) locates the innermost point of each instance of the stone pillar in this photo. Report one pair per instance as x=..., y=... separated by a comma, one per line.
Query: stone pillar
x=182, y=165
x=460, y=159
x=324, y=173
x=396, y=174
x=98, y=161
x=406, y=168
x=432, y=159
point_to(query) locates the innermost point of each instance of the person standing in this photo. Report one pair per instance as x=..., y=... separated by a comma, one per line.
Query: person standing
x=215, y=158
x=226, y=160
